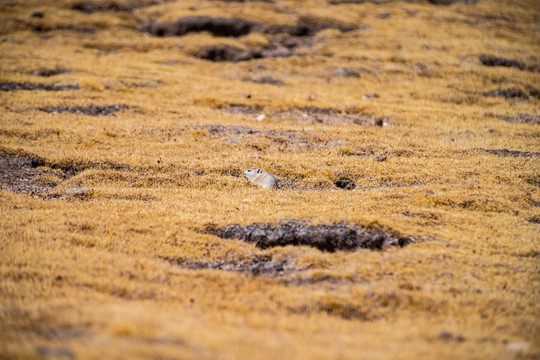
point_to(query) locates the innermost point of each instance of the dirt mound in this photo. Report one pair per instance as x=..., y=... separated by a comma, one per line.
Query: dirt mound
x=298, y=233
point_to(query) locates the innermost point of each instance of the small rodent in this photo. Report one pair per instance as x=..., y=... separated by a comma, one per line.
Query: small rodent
x=260, y=177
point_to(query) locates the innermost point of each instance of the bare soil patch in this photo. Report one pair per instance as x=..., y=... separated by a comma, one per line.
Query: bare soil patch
x=12, y=86
x=220, y=53
x=235, y=27
x=331, y=117
x=286, y=40
x=520, y=119
x=264, y=80
x=328, y=238
x=92, y=110
x=215, y=25
x=89, y=7
x=257, y=266
x=43, y=27
x=242, y=110
x=236, y=130
x=514, y=92
x=508, y=153
x=20, y=174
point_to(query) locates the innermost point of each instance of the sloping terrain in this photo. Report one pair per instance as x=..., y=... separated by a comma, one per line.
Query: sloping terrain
x=404, y=136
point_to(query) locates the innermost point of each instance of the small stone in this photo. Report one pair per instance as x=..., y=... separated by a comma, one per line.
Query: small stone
x=58, y=278
x=261, y=117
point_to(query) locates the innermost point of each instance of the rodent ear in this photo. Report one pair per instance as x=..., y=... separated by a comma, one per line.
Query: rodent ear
x=258, y=171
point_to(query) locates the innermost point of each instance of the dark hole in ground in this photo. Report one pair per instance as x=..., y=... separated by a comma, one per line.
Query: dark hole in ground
x=92, y=110
x=508, y=153
x=50, y=72
x=11, y=86
x=329, y=238
x=344, y=182
x=490, y=60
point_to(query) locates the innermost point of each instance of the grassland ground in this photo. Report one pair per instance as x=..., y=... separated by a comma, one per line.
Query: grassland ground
x=404, y=136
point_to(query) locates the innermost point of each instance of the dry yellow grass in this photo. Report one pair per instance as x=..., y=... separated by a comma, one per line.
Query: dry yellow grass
x=116, y=272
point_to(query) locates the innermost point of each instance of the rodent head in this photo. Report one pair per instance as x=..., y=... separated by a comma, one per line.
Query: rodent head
x=251, y=173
